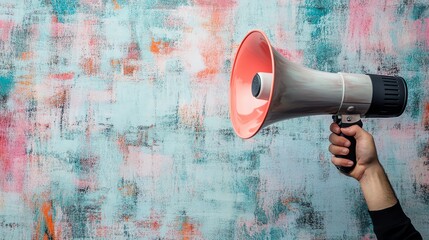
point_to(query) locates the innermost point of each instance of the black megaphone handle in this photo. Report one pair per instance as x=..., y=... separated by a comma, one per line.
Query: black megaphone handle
x=352, y=149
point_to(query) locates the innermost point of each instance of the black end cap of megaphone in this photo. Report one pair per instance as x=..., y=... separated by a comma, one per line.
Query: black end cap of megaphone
x=256, y=85
x=389, y=96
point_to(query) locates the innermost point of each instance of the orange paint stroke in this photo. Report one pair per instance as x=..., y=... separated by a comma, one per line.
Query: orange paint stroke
x=117, y=6
x=27, y=55
x=27, y=79
x=212, y=56
x=188, y=231
x=49, y=232
x=89, y=66
x=47, y=214
x=213, y=53
x=129, y=67
x=116, y=64
x=59, y=99
x=160, y=47
x=24, y=86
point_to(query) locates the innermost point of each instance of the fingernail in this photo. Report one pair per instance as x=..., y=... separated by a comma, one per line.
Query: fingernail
x=347, y=144
x=349, y=163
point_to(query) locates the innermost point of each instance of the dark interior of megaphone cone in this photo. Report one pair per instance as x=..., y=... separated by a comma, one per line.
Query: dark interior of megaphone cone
x=247, y=112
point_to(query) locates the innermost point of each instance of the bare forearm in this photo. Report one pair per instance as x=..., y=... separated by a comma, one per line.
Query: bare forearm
x=388, y=218
x=376, y=189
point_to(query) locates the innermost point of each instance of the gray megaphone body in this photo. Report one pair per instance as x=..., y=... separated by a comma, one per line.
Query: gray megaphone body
x=266, y=88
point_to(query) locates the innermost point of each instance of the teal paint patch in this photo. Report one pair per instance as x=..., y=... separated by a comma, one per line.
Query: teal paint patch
x=416, y=60
x=327, y=53
x=63, y=9
x=315, y=10
x=129, y=199
x=249, y=187
x=322, y=52
x=400, y=9
x=418, y=11
x=415, y=96
x=260, y=215
x=325, y=56
x=279, y=208
x=6, y=84
x=276, y=233
x=78, y=214
x=314, y=14
x=20, y=40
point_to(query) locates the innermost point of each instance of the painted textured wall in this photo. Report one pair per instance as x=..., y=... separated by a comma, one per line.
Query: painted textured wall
x=114, y=119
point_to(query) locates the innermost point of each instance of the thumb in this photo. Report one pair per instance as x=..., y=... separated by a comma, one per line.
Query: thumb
x=353, y=131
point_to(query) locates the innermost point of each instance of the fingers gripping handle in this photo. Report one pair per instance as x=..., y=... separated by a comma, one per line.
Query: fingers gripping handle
x=352, y=149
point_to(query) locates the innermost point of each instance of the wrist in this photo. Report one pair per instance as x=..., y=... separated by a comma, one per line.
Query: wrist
x=376, y=188
x=372, y=171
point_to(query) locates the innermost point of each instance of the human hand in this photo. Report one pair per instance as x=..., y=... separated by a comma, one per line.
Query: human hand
x=366, y=153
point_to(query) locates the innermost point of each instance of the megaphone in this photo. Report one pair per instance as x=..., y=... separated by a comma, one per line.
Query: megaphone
x=266, y=88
